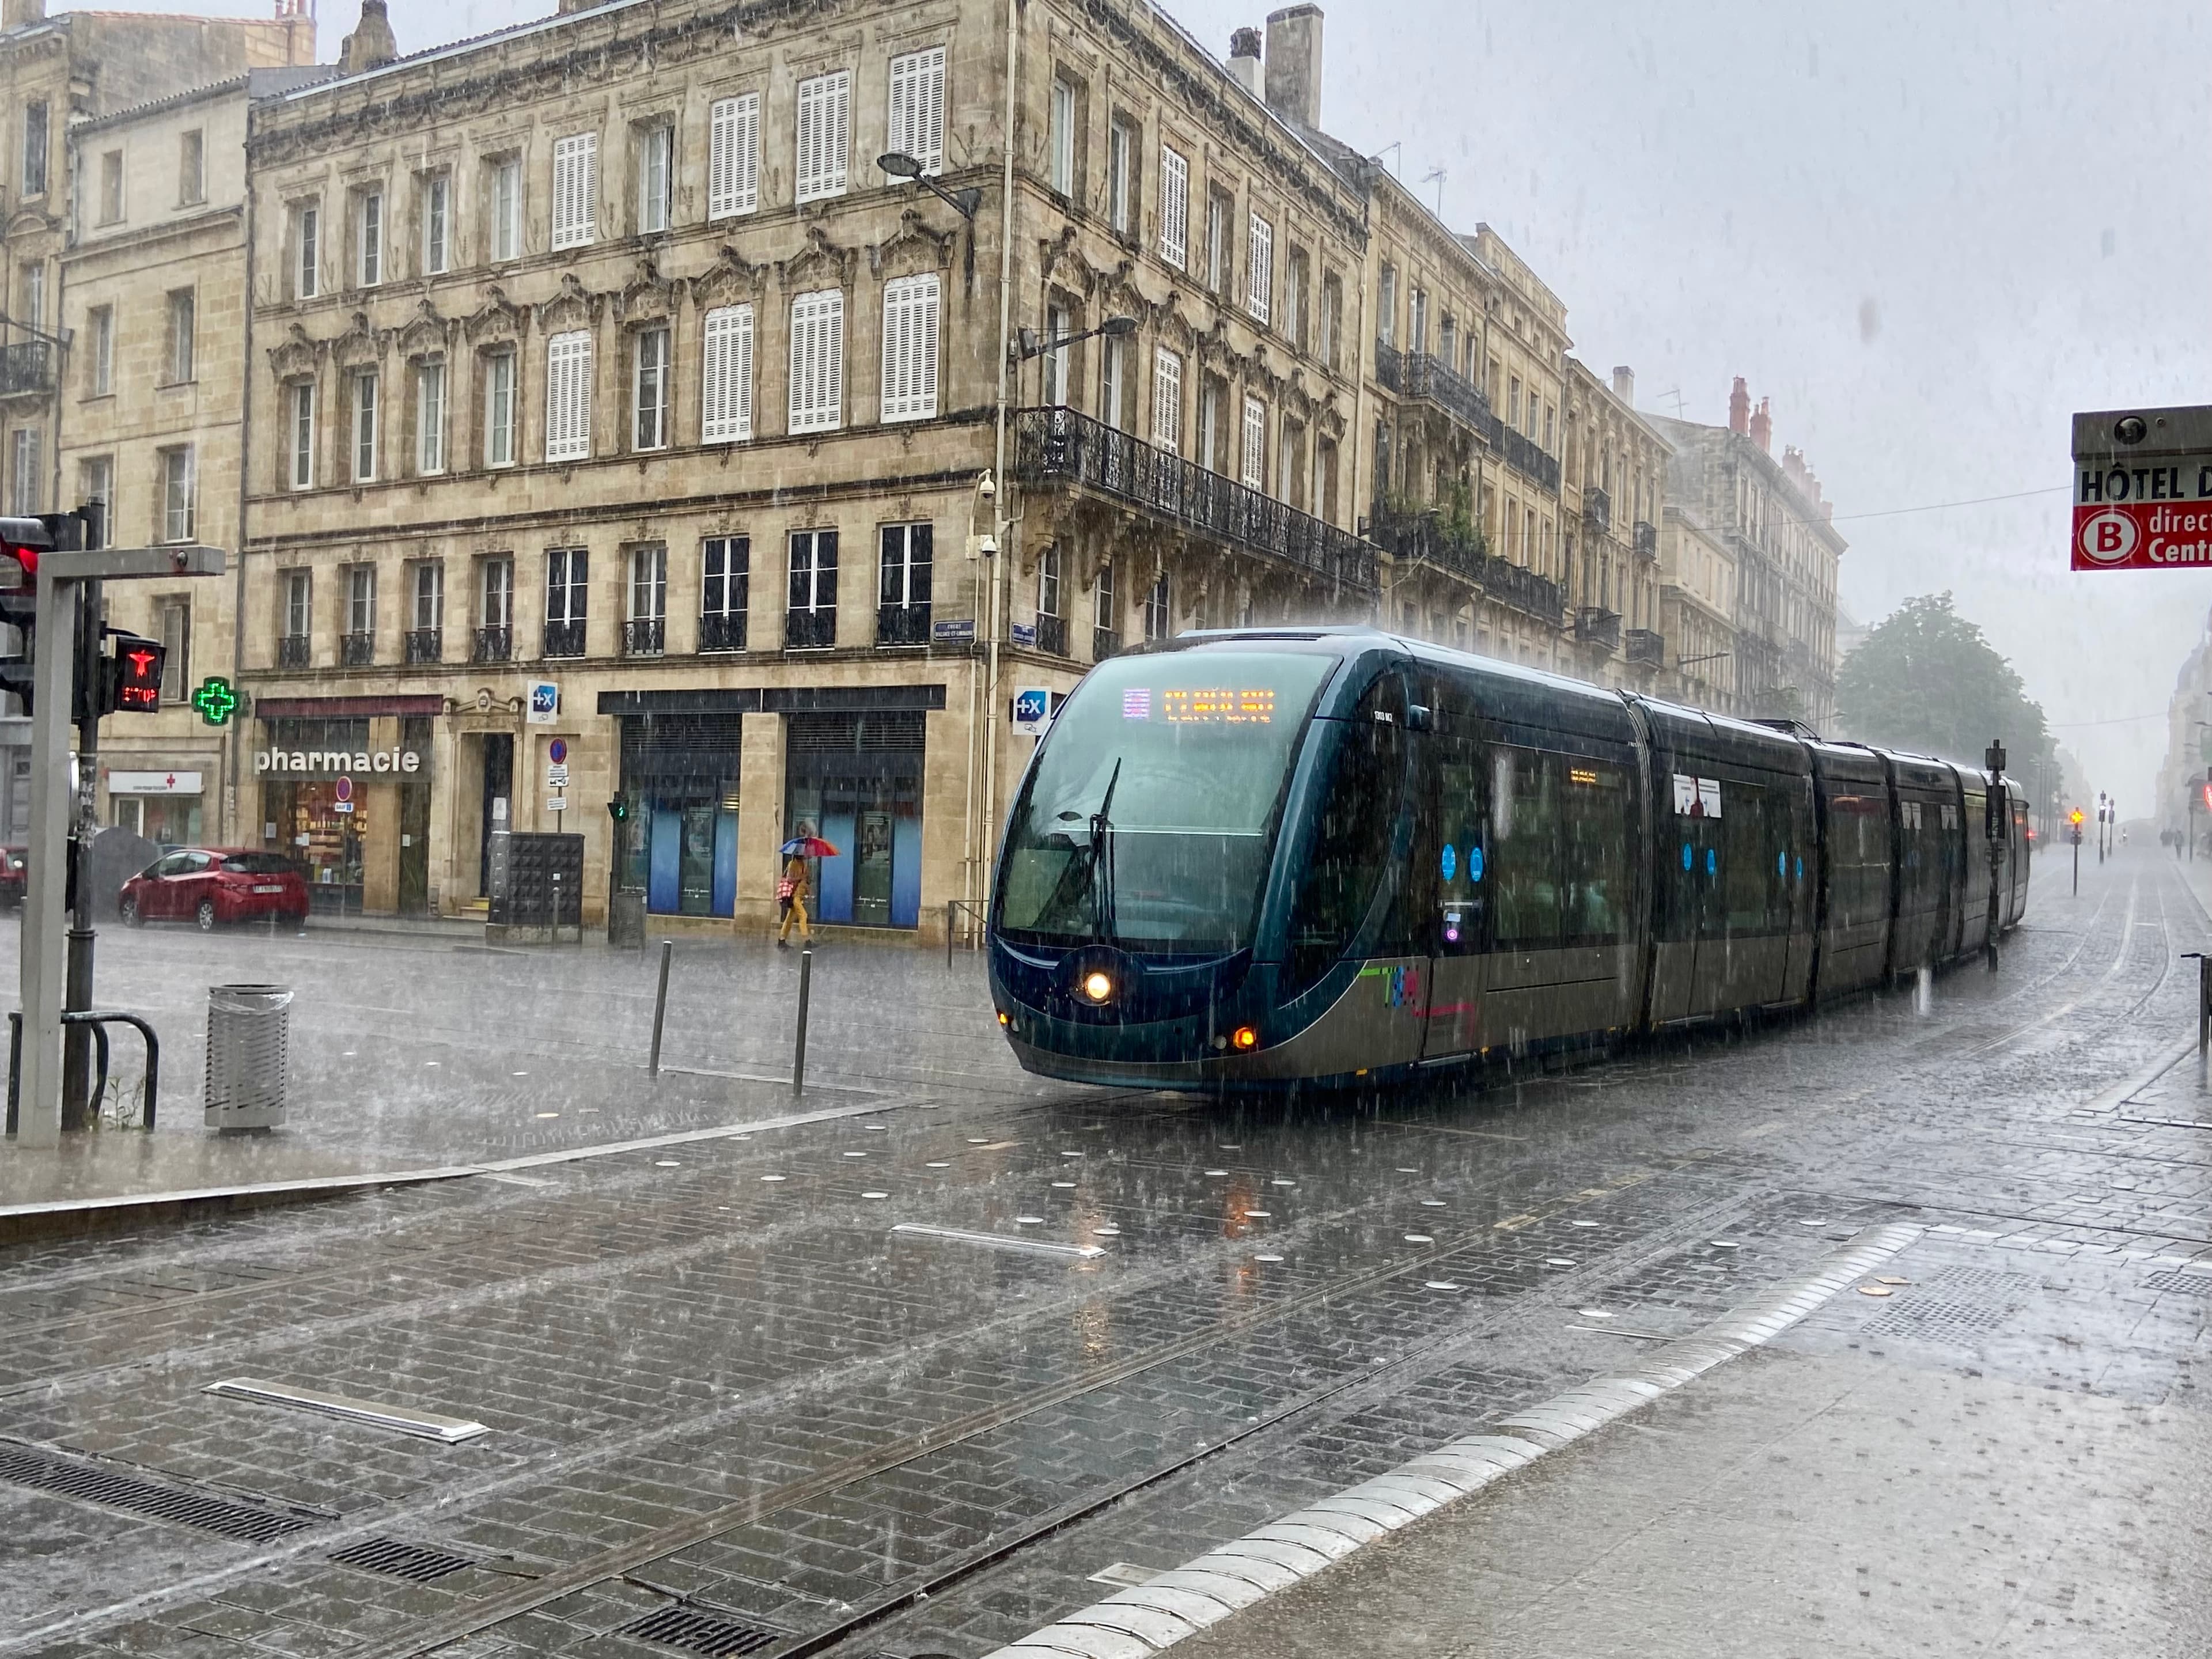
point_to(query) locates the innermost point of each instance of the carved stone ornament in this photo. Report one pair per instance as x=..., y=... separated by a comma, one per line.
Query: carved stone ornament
x=913, y=246
x=296, y=354
x=427, y=333
x=731, y=279
x=497, y=318
x=821, y=257
x=1059, y=262
x=647, y=294
x=360, y=346
x=573, y=307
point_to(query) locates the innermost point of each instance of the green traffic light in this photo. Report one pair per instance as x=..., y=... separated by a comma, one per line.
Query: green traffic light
x=618, y=810
x=216, y=701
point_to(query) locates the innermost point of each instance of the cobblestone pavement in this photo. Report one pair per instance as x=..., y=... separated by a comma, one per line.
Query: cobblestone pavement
x=731, y=1409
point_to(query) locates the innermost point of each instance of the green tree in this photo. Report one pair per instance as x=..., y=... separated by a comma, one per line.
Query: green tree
x=1925, y=679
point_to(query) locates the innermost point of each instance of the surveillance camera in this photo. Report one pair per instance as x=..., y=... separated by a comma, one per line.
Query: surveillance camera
x=2129, y=430
x=989, y=546
x=988, y=489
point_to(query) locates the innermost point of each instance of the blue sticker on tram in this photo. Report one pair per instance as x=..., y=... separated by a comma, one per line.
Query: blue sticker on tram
x=1712, y=861
x=1475, y=864
x=1800, y=870
x=1686, y=855
x=1451, y=861
x=1781, y=864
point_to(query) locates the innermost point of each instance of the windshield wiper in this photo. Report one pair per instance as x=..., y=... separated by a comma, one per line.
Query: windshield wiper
x=1102, y=862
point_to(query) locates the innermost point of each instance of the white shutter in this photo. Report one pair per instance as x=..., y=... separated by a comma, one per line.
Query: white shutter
x=837, y=135
x=1167, y=401
x=817, y=360
x=1260, y=292
x=727, y=414
x=910, y=340
x=917, y=110
x=1175, y=208
x=1255, y=443
x=575, y=190
x=734, y=156
x=825, y=125
x=568, y=397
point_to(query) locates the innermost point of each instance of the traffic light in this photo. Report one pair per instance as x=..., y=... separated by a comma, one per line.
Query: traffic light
x=21, y=540
x=618, y=810
x=131, y=684
x=2074, y=825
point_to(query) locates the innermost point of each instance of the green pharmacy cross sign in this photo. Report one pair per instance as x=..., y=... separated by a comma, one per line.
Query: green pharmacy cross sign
x=216, y=701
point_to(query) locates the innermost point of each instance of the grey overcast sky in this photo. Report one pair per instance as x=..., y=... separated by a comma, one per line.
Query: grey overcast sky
x=1928, y=232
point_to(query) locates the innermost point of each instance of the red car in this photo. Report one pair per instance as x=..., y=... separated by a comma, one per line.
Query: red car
x=213, y=885
x=14, y=873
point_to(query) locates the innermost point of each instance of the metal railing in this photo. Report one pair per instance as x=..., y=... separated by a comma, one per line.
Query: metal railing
x=1527, y=454
x=1644, y=538
x=98, y=1019
x=25, y=368
x=902, y=624
x=426, y=645
x=809, y=630
x=356, y=650
x=1105, y=642
x=1438, y=381
x=1422, y=535
x=492, y=645
x=722, y=630
x=1390, y=366
x=645, y=637
x=1058, y=446
x=293, y=650
x=1052, y=634
x=1646, y=649
x=1597, y=507
x=564, y=639
x=1595, y=625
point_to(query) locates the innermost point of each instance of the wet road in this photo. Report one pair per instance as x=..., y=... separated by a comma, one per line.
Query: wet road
x=906, y=1382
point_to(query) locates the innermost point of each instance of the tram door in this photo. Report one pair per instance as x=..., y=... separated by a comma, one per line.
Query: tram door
x=1458, y=852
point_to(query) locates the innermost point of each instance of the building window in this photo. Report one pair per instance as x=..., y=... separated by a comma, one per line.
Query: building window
x=95, y=483
x=1167, y=401
x=1155, y=608
x=499, y=409
x=364, y=428
x=1290, y=463
x=1121, y=176
x=306, y=251
x=24, y=446
x=1058, y=325
x=649, y=389
x=1513, y=404
x=1049, y=582
x=299, y=432
x=369, y=238
x=35, y=148
x=568, y=397
x=1325, y=480
x=575, y=190
x=903, y=590
x=1386, y=303
x=1217, y=241
x=656, y=162
x=1113, y=381
x=430, y=419
x=507, y=209
x=726, y=385
x=182, y=319
x=1260, y=281
x=192, y=170
x=102, y=360
x=1175, y=208
x=1294, y=299
x=1060, y=159
x=494, y=635
x=32, y=308
x=810, y=618
x=357, y=649
x=917, y=112
x=726, y=564
x=1417, y=337
x=111, y=187
x=734, y=156
x=817, y=360
x=1256, y=444
x=910, y=347
x=176, y=474
x=1105, y=618
x=825, y=134
x=1210, y=394
x=437, y=224
x=299, y=619
x=645, y=633
x=567, y=571
x=426, y=632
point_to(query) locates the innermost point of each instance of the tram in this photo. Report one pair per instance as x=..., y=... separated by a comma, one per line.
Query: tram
x=1261, y=857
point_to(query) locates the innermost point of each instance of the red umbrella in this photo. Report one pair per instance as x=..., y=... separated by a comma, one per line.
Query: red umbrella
x=808, y=846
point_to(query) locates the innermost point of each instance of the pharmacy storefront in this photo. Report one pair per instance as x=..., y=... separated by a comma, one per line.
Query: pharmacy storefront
x=346, y=795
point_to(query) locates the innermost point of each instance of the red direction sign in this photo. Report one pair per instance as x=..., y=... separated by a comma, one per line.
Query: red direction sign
x=2142, y=489
x=2142, y=535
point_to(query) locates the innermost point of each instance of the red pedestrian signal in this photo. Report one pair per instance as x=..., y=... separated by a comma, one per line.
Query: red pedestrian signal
x=134, y=675
x=21, y=540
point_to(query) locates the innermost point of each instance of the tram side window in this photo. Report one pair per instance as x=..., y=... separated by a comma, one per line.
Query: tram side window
x=1524, y=846
x=1747, y=859
x=1858, y=861
x=1595, y=828
x=1789, y=825
x=1351, y=844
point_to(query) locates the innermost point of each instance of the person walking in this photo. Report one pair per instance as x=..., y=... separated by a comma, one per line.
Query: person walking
x=792, y=892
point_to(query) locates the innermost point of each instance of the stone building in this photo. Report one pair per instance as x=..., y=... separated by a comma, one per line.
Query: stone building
x=1697, y=610
x=1774, y=521
x=1615, y=480
x=603, y=389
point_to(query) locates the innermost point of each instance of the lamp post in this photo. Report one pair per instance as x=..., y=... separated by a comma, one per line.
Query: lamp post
x=900, y=165
x=1029, y=343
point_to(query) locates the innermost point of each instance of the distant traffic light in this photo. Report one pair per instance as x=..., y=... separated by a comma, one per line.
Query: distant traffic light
x=21, y=542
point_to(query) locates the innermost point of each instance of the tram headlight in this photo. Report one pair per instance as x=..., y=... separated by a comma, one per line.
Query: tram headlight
x=1244, y=1039
x=1098, y=986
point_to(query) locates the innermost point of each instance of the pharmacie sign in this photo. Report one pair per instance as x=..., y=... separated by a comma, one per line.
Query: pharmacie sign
x=2142, y=489
x=336, y=763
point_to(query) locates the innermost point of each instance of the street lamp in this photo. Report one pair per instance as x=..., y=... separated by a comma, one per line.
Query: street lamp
x=1029, y=344
x=900, y=165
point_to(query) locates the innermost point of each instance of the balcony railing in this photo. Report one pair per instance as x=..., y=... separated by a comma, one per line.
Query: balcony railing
x=1646, y=539
x=1595, y=625
x=1058, y=446
x=1422, y=535
x=492, y=645
x=1597, y=507
x=1526, y=453
x=901, y=625
x=26, y=369
x=1052, y=634
x=645, y=637
x=1105, y=642
x=1390, y=366
x=425, y=644
x=564, y=639
x=722, y=630
x=356, y=650
x=809, y=630
x=1437, y=380
x=292, y=651
x=1646, y=649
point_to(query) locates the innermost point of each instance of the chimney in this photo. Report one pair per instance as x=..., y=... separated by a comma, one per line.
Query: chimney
x=1624, y=384
x=1244, y=61
x=370, y=46
x=15, y=14
x=1762, y=428
x=1294, y=64
x=1740, y=407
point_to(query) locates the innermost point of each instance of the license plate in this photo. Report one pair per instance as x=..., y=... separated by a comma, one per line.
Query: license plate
x=272, y=888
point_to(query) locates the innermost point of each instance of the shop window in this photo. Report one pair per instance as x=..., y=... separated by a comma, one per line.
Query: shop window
x=856, y=780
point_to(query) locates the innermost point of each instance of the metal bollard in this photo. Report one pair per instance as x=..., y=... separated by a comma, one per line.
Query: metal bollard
x=799, y=1051
x=2203, y=1002
x=951, y=909
x=661, y=1006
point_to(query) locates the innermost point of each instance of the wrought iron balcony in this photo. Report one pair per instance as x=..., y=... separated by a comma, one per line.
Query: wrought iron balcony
x=565, y=639
x=1597, y=507
x=1052, y=634
x=357, y=649
x=1105, y=642
x=1390, y=366
x=1645, y=539
x=26, y=369
x=426, y=644
x=722, y=630
x=1526, y=453
x=644, y=637
x=809, y=630
x=492, y=645
x=1059, y=446
x=293, y=651
x=1433, y=378
x=902, y=624
x=1595, y=625
x=1646, y=649
x=1421, y=536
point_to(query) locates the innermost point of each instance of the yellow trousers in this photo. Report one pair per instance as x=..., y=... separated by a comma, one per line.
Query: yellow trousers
x=795, y=911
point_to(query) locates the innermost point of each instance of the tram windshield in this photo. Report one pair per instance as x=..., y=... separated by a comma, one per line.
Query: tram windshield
x=1151, y=813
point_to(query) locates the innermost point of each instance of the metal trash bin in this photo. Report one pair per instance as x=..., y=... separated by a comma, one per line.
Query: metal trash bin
x=248, y=1056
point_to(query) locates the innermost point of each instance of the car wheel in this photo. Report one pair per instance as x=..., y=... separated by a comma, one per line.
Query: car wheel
x=207, y=915
x=130, y=916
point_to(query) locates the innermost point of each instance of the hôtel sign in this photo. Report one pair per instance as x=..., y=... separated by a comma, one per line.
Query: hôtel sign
x=2142, y=489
